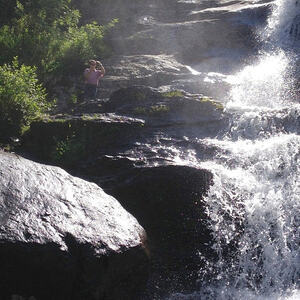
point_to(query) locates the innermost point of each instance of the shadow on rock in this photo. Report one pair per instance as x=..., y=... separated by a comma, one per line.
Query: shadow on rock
x=167, y=201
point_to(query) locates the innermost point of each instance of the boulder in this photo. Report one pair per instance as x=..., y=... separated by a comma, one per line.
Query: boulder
x=168, y=202
x=64, y=238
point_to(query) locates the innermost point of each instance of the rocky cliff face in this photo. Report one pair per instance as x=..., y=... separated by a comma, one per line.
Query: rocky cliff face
x=156, y=40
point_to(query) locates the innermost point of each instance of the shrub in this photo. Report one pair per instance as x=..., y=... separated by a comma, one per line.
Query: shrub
x=47, y=34
x=79, y=45
x=22, y=98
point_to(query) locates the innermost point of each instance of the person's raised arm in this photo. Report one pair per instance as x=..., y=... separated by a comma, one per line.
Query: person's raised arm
x=101, y=67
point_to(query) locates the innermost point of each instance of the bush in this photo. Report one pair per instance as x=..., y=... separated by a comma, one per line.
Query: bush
x=79, y=45
x=47, y=34
x=22, y=98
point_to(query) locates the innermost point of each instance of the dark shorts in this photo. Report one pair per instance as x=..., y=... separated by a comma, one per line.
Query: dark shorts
x=90, y=91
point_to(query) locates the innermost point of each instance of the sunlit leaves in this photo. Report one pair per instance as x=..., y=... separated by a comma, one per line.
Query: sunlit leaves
x=47, y=34
x=22, y=98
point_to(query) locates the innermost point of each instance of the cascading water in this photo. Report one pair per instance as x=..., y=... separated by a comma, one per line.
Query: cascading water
x=253, y=206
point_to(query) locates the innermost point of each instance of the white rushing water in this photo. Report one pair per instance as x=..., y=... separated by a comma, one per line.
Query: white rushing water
x=254, y=204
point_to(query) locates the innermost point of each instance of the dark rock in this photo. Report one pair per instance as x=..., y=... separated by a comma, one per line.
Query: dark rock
x=131, y=117
x=168, y=202
x=132, y=96
x=66, y=140
x=64, y=238
x=85, y=107
x=161, y=196
x=164, y=109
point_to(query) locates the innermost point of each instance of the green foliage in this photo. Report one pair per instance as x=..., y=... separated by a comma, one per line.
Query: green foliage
x=152, y=110
x=46, y=34
x=80, y=44
x=172, y=94
x=68, y=151
x=22, y=98
x=218, y=105
x=161, y=108
x=35, y=27
x=73, y=99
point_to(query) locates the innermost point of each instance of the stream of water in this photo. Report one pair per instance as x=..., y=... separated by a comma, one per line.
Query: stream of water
x=254, y=204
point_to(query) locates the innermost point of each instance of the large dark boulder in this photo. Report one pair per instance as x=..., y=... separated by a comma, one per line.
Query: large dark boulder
x=64, y=238
x=168, y=202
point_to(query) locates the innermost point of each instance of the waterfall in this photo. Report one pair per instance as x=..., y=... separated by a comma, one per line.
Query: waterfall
x=283, y=27
x=253, y=206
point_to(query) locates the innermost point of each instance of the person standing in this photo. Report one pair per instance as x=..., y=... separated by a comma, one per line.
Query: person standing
x=92, y=76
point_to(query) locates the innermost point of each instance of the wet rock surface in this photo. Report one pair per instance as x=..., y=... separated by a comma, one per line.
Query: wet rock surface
x=64, y=238
x=167, y=201
x=132, y=125
x=154, y=45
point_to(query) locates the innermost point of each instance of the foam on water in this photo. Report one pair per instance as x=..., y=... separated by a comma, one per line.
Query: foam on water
x=254, y=205
x=263, y=84
x=279, y=30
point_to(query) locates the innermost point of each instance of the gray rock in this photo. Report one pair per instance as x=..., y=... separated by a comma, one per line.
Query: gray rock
x=150, y=70
x=193, y=30
x=160, y=71
x=160, y=39
x=165, y=108
x=64, y=238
